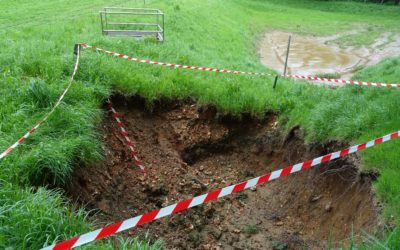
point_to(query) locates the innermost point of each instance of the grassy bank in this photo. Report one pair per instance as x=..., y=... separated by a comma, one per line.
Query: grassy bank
x=36, y=60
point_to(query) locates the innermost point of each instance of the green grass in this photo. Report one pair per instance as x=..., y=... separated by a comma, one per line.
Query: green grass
x=251, y=229
x=25, y=214
x=36, y=61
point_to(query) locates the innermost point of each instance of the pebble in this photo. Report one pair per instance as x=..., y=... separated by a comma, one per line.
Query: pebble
x=196, y=186
x=328, y=207
x=206, y=247
x=315, y=198
x=216, y=233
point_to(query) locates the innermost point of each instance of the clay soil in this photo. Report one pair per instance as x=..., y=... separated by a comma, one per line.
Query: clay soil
x=190, y=150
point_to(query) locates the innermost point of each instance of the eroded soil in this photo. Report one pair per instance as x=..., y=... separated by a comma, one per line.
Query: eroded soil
x=189, y=150
x=311, y=55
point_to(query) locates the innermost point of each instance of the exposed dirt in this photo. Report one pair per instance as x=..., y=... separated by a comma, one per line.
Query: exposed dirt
x=311, y=55
x=189, y=151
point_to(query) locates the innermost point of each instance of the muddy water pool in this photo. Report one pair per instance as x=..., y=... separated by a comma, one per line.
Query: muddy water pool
x=310, y=55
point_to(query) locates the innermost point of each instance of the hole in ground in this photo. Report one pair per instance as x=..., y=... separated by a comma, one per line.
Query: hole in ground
x=189, y=150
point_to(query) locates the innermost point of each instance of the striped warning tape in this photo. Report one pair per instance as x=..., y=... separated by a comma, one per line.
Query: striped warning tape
x=174, y=65
x=124, y=133
x=192, y=202
x=24, y=137
x=331, y=80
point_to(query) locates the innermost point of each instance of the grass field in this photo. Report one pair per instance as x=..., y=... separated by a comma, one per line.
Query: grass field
x=36, y=61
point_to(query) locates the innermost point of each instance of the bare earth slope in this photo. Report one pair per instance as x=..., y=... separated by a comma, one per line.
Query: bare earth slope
x=190, y=150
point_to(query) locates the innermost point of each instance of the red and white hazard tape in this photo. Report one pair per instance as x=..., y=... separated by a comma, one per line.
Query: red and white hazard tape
x=124, y=133
x=174, y=65
x=192, y=202
x=24, y=137
x=371, y=84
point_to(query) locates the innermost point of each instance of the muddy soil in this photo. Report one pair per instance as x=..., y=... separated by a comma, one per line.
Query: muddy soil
x=189, y=150
x=311, y=55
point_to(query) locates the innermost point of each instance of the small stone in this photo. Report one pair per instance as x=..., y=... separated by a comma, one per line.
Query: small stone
x=315, y=198
x=328, y=207
x=253, y=188
x=177, y=242
x=165, y=203
x=196, y=186
x=121, y=187
x=236, y=231
x=201, y=168
x=104, y=206
x=230, y=239
x=206, y=247
x=279, y=223
x=217, y=234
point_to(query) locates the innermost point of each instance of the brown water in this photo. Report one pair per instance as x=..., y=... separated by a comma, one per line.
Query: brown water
x=315, y=55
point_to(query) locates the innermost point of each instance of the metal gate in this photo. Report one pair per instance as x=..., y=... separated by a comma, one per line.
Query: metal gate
x=136, y=22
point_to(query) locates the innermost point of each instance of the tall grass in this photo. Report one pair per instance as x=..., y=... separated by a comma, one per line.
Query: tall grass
x=32, y=219
x=36, y=60
x=26, y=214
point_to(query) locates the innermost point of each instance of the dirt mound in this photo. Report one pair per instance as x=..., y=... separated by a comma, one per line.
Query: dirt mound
x=189, y=151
